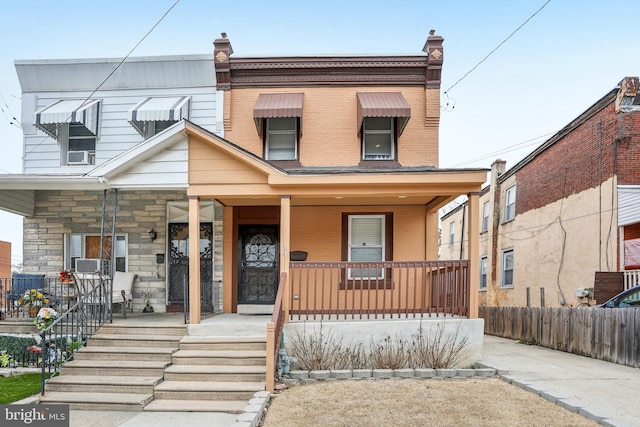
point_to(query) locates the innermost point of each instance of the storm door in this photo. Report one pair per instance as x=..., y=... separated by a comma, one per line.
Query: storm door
x=257, y=264
x=179, y=262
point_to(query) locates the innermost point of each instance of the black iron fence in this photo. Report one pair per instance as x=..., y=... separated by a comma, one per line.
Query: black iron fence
x=65, y=313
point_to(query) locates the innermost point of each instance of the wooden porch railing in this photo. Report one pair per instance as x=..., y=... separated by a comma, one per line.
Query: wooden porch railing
x=274, y=334
x=357, y=290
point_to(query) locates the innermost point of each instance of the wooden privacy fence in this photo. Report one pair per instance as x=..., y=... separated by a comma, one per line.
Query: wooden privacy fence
x=606, y=334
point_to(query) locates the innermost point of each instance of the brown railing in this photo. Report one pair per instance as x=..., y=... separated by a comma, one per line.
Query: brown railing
x=274, y=334
x=356, y=290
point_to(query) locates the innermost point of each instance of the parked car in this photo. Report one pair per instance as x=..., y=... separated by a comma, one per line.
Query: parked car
x=625, y=299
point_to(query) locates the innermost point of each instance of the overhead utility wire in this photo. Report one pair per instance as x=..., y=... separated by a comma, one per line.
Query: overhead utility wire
x=118, y=66
x=497, y=47
x=514, y=147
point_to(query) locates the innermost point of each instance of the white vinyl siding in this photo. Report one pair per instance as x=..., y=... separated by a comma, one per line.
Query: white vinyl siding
x=366, y=244
x=43, y=154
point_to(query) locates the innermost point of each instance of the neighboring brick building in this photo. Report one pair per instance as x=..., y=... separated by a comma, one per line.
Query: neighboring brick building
x=567, y=210
x=5, y=259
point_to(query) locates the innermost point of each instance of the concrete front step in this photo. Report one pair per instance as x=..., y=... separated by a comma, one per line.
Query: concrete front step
x=102, y=384
x=229, y=406
x=224, y=373
x=219, y=357
x=122, y=340
x=18, y=327
x=99, y=401
x=201, y=390
x=114, y=368
x=125, y=353
x=223, y=343
x=178, y=331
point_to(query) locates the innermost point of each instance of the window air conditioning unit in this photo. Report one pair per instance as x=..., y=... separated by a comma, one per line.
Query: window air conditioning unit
x=78, y=158
x=87, y=265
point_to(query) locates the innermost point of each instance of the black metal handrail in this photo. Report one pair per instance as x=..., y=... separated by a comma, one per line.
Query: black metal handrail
x=71, y=330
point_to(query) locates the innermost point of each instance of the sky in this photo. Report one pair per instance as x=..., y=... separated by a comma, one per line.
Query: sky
x=514, y=73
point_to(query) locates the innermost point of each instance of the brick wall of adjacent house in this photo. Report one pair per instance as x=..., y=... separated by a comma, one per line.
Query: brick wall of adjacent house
x=5, y=260
x=580, y=160
x=329, y=125
x=628, y=148
x=63, y=212
x=607, y=143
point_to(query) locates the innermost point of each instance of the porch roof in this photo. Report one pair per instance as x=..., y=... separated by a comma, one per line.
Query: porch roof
x=221, y=170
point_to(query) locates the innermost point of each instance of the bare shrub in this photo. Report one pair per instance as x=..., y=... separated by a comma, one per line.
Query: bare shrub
x=389, y=353
x=437, y=349
x=324, y=350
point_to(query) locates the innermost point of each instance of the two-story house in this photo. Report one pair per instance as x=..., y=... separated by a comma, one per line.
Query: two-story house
x=100, y=137
x=565, y=212
x=267, y=159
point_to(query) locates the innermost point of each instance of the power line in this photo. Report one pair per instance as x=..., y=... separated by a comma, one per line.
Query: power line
x=508, y=149
x=114, y=70
x=497, y=47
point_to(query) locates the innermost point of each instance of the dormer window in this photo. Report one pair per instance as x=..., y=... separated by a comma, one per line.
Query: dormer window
x=73, y=123
x=153, y=115
x=382, y=117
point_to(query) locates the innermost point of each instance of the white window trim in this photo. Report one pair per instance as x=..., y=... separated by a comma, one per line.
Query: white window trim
x=485, y=217
x=270, y=132
x=452, y=233
x=390, y=132
x=510, y=208
x=67, y=248
x=484, y=267
x=506, y=252
x=382, y=246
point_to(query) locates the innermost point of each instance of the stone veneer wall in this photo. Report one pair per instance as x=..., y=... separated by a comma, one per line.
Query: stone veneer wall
x=62, y=212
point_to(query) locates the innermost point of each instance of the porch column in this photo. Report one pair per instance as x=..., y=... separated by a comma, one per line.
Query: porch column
x=285, y=243
x=474, y=252
x=194, y=260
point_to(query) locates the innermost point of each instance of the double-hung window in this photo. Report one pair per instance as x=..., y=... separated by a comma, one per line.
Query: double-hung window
x=278, y=119
x=507, y=269
x=74, y=124
x=382, y=117
x=87, y=247
x=452, y=233
x=510, y=204
x=366, y=245
x=485, y=217
x=483, y=273
x=378, y=138
x=281, y=141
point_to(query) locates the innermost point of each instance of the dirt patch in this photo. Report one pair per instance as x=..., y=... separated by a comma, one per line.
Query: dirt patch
x=414, y=402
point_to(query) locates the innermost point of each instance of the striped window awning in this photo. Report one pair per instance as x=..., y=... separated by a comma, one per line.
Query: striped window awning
x=158, y=110
x=277, y=105
x=83, y=111
x=383, y=104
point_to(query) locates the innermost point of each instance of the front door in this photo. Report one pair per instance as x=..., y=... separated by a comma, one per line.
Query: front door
x=178, y=278
x=258, y=264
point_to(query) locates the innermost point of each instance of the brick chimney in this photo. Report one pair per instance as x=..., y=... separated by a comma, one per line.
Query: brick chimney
x=433, y=47
x=222, y=50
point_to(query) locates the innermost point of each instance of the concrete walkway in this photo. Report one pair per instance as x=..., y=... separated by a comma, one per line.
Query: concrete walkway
x=605, y=392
